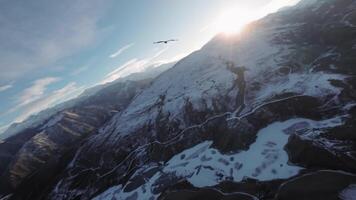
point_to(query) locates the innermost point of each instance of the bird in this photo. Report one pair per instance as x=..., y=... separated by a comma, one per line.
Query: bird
x=165, y=41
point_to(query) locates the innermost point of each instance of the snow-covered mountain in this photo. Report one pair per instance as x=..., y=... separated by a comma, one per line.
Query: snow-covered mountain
x=266, y=114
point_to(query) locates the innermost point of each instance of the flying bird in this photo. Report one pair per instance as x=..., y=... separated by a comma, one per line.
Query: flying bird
x=165, y=41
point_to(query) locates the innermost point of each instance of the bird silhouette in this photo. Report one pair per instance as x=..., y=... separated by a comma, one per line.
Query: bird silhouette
x=165, y=41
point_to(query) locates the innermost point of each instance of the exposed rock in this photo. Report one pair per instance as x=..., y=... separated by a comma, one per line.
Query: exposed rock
x=321, y=185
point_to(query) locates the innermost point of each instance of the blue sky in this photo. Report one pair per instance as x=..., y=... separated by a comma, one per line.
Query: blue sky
x=52, y=50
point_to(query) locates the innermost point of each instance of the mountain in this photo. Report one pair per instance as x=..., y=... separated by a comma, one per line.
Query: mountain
x=35, y=120
x=46, y=142
x=269, y=113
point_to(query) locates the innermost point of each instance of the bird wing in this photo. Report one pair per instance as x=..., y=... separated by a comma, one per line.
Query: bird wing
x=165, y=41
x=158, y=42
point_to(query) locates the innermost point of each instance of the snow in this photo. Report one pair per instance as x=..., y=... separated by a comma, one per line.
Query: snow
x=203, y=76
x=142, y=193
x=32, y=121
x=305, y=3
x=314, y=4
x=345, y=20
x=349, y=193
x=270, y=161
x=202, y=165
x=200, y=78
x=315, y=84
x=109, y=193
x=6, y=197
x=193, y=79
x=333, y=146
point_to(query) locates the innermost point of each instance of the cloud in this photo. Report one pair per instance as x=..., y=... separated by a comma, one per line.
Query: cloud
x=121, y=50
x=35, y=91
x=132, y=66
x=29, y=41
x=79, y=70
x=126, y=69
x=125, y=65
x=69, y=91
x=173, y=59
x=32, y=93
x=5, y=87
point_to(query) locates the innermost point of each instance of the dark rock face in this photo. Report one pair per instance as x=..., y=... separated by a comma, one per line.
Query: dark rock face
x=319, y=185
x=12, y=145
x=247, y=189
x=315, y=185
x=48, y=146
x=297, y=63
x=207, y=194
x=333, y=148
x=310, y=154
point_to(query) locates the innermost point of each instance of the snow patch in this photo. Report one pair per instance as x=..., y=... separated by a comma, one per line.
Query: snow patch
x=349, y=193
x=207, y=166
x=315, y=84
x=109, y=193
x=143, y=193
x=203, y=165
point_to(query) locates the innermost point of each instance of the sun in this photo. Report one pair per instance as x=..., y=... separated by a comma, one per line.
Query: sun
x=234, y=18
x=232, y=21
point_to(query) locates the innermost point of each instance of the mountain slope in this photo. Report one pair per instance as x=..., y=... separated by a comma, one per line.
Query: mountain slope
x=258, y=115
x=290, y=64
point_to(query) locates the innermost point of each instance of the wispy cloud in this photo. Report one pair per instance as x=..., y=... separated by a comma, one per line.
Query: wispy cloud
x=124, y=66
x=5, y=87
x=79, y=70
x=121, y=50
x=133, y=66
x=69, y=91
x=173, y=59
x=29, y=41
x=36, y=90
x=35, y=98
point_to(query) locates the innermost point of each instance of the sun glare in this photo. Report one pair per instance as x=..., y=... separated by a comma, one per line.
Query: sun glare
x=234, y=20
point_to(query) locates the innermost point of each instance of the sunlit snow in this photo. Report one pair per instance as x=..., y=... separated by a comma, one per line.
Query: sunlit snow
x=203, y=165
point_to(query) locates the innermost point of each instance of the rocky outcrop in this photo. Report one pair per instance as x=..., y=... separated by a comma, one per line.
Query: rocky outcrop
x=315, y=154
x=246, y=189
x=332, y=148
x=323, y=185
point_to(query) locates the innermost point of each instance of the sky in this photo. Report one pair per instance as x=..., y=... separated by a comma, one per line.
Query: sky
x=50, y=51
